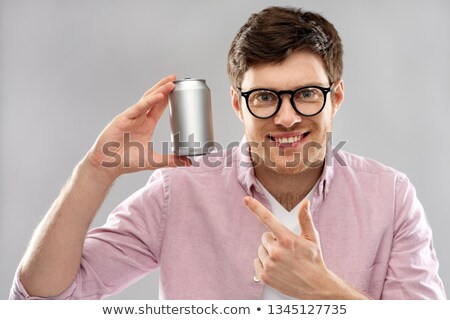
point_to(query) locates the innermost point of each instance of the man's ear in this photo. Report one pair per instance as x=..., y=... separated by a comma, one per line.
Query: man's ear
x=235, y=98
x=337, y=96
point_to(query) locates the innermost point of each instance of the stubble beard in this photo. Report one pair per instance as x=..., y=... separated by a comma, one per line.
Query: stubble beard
x=292, y=164
x=276, y=160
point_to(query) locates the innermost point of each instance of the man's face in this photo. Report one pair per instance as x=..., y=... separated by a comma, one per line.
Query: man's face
x=271, y=139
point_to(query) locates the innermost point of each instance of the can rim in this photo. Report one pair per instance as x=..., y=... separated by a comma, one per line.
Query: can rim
x=189, y=79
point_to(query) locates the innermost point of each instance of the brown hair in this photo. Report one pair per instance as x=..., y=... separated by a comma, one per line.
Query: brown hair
x=273, y=34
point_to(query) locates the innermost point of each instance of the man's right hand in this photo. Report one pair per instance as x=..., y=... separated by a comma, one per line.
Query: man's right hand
x=138, y=123
x=53, y=257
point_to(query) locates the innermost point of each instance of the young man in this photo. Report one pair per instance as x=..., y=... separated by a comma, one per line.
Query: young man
x=300, y=221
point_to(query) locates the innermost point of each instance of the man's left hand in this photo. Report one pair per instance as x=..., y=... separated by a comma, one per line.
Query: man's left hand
x=293, y=264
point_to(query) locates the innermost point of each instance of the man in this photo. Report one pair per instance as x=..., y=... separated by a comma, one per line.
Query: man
x=300, y=221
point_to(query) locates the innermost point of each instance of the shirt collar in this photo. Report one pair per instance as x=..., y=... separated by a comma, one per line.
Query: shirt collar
x=246, y=172
x=328, y=171
x=245, y=169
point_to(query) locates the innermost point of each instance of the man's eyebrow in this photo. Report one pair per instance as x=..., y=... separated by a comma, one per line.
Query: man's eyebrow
x=308, y=84
x=319, y=84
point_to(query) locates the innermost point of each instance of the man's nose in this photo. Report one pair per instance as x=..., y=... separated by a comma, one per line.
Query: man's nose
x=287, y=116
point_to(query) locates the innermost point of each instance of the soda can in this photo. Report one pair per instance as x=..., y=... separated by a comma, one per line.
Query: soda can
x=191, y=117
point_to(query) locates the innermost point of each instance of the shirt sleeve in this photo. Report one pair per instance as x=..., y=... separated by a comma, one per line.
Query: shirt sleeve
x=413, y=266
x=122, y=251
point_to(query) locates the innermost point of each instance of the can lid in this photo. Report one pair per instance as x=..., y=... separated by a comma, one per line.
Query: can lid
x=189, y=79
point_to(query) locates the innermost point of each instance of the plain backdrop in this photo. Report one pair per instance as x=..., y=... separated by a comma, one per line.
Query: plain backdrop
x=68, y=67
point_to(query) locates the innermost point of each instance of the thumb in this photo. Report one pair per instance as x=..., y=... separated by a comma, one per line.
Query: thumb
x=308, y=231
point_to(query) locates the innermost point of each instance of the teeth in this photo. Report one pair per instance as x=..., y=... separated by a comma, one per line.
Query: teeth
x=288, y=140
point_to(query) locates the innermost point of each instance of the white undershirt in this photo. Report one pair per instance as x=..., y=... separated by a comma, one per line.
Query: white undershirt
x=290, y=220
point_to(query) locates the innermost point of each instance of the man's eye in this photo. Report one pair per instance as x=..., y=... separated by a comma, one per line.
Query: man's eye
x=308, y=94
x=265, y=97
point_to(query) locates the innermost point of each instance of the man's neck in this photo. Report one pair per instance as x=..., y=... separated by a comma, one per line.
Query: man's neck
x=288, y=189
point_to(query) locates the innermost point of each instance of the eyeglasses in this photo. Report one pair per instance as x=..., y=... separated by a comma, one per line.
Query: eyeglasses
x=306, y=101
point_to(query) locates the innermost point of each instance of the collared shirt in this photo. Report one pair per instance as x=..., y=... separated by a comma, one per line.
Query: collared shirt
x=192, y=224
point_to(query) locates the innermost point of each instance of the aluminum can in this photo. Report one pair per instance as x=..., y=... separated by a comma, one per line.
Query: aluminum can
x=191, y=117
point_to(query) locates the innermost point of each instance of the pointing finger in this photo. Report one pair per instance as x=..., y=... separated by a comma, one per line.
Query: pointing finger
x=267, y=218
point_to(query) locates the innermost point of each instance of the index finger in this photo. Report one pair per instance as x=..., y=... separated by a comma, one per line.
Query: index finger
x=151, y=101
x=267, y=218
x=160, y=83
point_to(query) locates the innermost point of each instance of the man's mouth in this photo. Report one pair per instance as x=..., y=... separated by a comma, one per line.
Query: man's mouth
x=288, y=139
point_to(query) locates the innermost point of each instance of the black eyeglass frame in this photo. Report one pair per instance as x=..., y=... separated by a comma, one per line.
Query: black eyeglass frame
x=292, y=93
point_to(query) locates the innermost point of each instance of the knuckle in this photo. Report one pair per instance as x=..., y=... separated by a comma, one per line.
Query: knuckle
x=312, y=251
x=265, y=236
x=276, y=254
x=270, y=266
x=265, y=277
x=317, y=253
x=265, y=218
x=286, y=242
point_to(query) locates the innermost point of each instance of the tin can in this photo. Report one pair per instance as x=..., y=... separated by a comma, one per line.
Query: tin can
x=191, y=117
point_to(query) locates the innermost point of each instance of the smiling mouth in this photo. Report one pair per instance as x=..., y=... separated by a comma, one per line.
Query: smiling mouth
x=289, y=141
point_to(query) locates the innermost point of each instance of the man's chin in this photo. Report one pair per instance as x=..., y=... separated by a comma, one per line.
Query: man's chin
x=286, y=166
x=290, y=165
x=288, y=171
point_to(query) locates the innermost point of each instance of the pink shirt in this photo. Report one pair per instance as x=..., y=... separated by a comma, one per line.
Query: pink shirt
x=191, y=223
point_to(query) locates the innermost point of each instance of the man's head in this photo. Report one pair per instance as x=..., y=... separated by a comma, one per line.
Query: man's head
x=284, y=49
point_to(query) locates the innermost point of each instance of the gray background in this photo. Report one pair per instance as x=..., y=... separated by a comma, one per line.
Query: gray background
x=68, y=67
